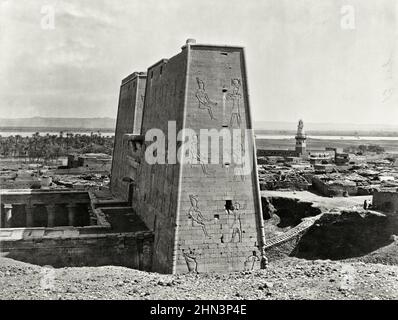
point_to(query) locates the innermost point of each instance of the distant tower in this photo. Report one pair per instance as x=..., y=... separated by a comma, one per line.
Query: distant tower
x=300, y=139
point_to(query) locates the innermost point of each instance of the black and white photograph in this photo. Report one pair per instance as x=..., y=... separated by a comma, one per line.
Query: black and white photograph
x=224, y=151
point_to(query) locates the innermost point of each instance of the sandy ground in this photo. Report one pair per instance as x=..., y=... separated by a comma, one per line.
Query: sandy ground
x=290, y=278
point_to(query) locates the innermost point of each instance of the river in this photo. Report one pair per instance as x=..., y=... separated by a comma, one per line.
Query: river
x=258, y=136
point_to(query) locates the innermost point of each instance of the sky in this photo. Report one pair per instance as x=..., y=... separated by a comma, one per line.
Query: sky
x=332, y=61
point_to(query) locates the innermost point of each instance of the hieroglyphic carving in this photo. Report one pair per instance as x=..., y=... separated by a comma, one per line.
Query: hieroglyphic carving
x=251, y=261
x=203, y=98
x=235, y=97
x=195, y=214
x=190, y=259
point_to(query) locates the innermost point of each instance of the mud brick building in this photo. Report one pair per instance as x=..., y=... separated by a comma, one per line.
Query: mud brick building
x=205, y=217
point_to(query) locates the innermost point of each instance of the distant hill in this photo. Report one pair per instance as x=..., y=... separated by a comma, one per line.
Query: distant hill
x=310, y=126
x=59, y=123
x=261, y=127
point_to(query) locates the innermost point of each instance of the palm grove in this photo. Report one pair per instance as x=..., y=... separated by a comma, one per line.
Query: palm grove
x=50, y=147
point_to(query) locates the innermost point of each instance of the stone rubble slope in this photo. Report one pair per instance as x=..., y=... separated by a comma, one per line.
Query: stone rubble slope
x=290, y=278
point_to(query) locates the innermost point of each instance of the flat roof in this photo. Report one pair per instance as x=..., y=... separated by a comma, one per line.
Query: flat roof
x=220, y=46
x=133, y=75
x=161, y=61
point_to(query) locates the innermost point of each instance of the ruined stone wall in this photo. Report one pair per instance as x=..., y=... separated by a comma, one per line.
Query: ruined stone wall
x=277, y=152
x=129, y=118
x=333, y=189
x=155, y=195
x=386, y=201
x=211, y=238
x=129, y=250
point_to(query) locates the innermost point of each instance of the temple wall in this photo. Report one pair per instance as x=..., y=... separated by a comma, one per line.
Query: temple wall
x=155, y=196
x=129, y=118
x=128, y=250
x=211, y=238
x=205, y=217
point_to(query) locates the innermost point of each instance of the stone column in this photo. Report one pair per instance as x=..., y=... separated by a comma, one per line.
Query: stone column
x=131, y=193
x=29, y=215
x=71, y=214
x=8, y=215
x=50, y=215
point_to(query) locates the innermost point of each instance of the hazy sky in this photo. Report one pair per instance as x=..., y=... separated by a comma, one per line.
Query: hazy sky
x=306, y=58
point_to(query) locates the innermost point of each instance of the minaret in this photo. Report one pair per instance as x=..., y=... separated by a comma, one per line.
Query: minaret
x=300, y=139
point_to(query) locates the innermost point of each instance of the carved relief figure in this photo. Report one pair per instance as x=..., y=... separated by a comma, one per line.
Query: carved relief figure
x=236, y=226
x=235, y=97
x=251, y=261
x=194, y=154
x=203, y=98
x=239, y=158
x=190, y=259
x=196, y=215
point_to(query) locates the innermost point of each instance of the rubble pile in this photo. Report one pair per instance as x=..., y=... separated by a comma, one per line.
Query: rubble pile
x=21, y=175
x=290, y=278
x=276, y=173
x=91, y=181
x=276, y=177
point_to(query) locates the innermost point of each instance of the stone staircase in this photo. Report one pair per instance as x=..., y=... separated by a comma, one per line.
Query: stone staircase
x=292, y=233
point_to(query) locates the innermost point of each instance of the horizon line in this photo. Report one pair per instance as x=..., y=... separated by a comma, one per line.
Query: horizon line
x=258, y=121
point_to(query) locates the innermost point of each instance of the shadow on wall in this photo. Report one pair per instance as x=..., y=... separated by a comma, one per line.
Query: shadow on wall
x=346, y=234
x=132, y=251
x=286, y=212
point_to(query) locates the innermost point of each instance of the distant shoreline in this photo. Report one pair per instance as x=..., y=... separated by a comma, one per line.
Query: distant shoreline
x=258, y=132
x=54, y=129
x=333, y=133
x=265, y=139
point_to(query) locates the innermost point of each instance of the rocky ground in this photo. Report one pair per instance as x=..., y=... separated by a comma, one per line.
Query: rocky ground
x=324, y=203
x=290, y=278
